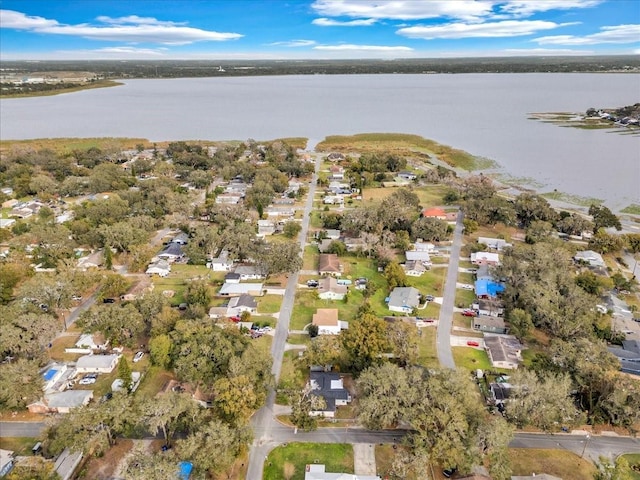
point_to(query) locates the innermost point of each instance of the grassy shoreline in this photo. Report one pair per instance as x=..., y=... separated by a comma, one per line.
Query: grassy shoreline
x=77, y=88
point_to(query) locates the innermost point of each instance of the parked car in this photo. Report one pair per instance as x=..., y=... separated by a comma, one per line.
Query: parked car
x=108, y=300
x=76, y=298
x=235, y=318
x=467, y=286
x=87, y=380
x=472, y=343
x=448, y=472
x=469, y=313
x=138, y=356
x=312, y=283
x=429, y=298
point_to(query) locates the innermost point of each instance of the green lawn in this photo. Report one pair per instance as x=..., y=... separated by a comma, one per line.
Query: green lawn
x=427, y=354
x=292, y=375
x=634, y=461
x=269, y=303
x=430, y=282
x=289, y=461
x=561, y=463
x=18, y=445
x=464, y=298
x=153, y=381
x=470, y=358
x=179, y=276
x=310, y=258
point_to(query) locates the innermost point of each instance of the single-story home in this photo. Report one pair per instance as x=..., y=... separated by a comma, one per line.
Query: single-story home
x=494, y=243
x=488, y=307
x=503, y=351
x=249, y=272
x=6, y=461
x=404, y=299
x=67, y=463
x=316, y=471
x=61, y=402
x=330, y=289
x=333, y=200
x=488, y=288
x=422, y=256
x=232, y=277
x=326, y=319
x=329, y=386
x=229, y=198
x=332, y=234
x=485, y=258
x=6, y=222
x=242, y=303
x=500, y=391
x=629, y=356
x=414, y=268
x=266, y=227
x=237, y=289
x=434, y=212
x=335, y=157
x=421, y=246
x=490, y=324
x=97, y=363
x=329, y=264
x=593, y=259
x=282, y=212
x=94, y=260
x=181, y=239
x=354, y=243
x=221, y=263
x=161, y=267
x=87, y=343
x=172, y=252
x=407, y=175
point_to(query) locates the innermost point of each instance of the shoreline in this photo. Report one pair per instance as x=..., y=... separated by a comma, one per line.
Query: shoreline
x=77, y=88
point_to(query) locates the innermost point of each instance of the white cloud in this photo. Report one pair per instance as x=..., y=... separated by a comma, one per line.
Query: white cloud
x=404, y=10
x=368, y=48
x=294, y=43
x=136, y=20
x=507, y=28
x=327, y=22
x=546, y=51
x=613, y=34
x=126, y=29
x=526, y=8
x=130, y=51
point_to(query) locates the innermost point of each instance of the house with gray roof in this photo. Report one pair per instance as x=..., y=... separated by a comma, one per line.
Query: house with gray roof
x=329, y=386
x=97, y=363
x=593, y=259
x=504, y=351
x=242, y=303
x=404, y=299
x=316, y=471
x=237, y=289
x=67, y=463
x=63, y=402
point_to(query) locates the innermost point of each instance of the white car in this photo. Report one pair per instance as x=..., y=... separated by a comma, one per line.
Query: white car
x=138, y=356
x=88, y=380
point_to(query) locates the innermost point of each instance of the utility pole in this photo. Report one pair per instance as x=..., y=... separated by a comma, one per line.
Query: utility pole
x=586, y=442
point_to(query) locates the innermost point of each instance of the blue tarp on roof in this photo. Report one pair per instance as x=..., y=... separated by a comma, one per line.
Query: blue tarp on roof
x=185, y=470
x=49, y=374
x=486, y=287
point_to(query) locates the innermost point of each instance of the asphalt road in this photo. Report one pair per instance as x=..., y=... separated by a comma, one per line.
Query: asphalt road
x=263, y=422
x=443, y=338
x=21, y=429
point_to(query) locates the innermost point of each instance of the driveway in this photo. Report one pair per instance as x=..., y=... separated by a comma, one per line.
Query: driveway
x=364, y=458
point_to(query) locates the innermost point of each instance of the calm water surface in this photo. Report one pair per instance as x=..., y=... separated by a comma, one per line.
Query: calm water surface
x=485, y=114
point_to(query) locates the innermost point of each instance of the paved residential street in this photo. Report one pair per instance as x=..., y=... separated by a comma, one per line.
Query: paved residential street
x=21, y=429
x=443, y=339
x=262, y=421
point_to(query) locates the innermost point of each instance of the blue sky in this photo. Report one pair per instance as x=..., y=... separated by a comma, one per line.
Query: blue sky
x=318, y=29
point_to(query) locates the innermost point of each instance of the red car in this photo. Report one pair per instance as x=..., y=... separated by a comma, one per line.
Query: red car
x=234, y=319
x=472, y=343
x=469, y=313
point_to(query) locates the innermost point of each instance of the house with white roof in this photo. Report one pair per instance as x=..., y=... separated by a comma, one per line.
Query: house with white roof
x=315, y=471
x=485, y=258
x=593, y=259
x=404, y=299
x=222, y=263
x=161, y=267
x=237, y=289
x=494, y=243
x=418, y=255
x=330, y=289
x=97, y=363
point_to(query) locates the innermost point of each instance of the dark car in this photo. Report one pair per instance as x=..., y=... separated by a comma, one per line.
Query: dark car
x=429, y=298
x=448, y=472
x=108, y=300
x=312, y=283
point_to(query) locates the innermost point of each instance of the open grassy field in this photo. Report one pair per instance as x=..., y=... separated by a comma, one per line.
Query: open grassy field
x=399, y=144
x=67, y=145
x=289, y=461
x=269, y=303
x=427, y=354
x=560, y=463
x=180, y=275
x=20, y=446
x=76, y=88
x=153, y=381
x=634, y=463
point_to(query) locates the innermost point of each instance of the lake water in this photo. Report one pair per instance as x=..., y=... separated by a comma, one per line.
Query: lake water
x=484, y=114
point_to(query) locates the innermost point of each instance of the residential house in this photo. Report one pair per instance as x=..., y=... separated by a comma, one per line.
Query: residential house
x=500, y=392
x=353, y=244
x=241, y=303
x=503, y=351
x=337, y=172
x=414, y=268
x=230, y=198
x=7, y=222
x=94, y=260
x=61, y=402
x=56, y=377
x=333, y=200
x=266, y=227
x=421, y=246
x=494, y=243
x=488, y=307
x=237, y=289
x=67, y=463
x=483, y=273
x=222, y=263
x=249, y=272
x=161, y=267
x=434, y=212
x=6, y=461
x=97, y=363
x=628, y=355
x=232, y=277
x=281, y=212
x=88, y=343
x=418, y=255
x=485, y=258
x=485, y=288
x=324, y=245
x=181, y=239
x=330, y=289
x=329, y=264
x=406, y=175
x=332, y=234
x=490, y=324
x=172, y=253
x=404, y=299
x=326, y=319
x=329, y=386
x=316, y=471
x=335, y=157
x=593, y=259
